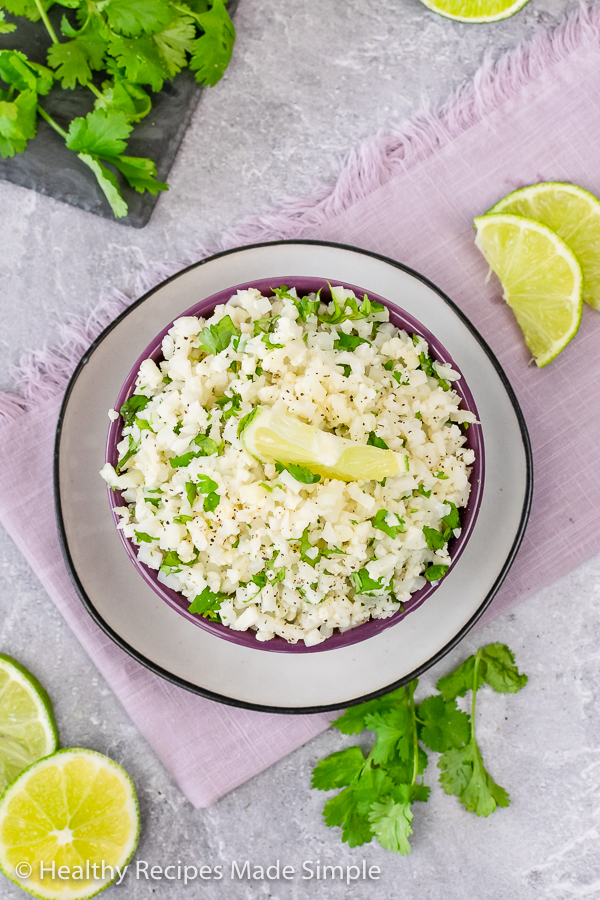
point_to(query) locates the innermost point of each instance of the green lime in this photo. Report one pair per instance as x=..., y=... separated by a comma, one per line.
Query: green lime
x=574, y=214
x=271, y=436
x=541, y=278
x=475, y=11
x=27, y=727
x=69, y=825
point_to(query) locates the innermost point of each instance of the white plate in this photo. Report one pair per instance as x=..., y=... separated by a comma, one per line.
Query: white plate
x=128, y=610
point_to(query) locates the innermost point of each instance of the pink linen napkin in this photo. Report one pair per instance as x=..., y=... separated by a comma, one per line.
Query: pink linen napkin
x=412, y=196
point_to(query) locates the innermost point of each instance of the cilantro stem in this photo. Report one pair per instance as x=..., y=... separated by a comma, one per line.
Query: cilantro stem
x=46, y=21
x=94, y=90
x=411, y=707
x=51, y=122
x=474, y=693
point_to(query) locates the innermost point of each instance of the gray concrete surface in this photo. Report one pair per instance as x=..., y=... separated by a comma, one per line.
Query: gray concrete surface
x=308, y=81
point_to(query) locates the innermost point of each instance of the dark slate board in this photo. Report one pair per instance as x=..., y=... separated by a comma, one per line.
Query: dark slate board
x=48, y=167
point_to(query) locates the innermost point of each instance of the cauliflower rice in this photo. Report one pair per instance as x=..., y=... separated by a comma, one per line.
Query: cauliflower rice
x=254, y=548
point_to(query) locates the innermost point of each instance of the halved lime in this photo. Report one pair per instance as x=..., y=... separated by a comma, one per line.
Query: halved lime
x=476, y=11
x=27, y=727
x=68, y=825
x=271, y=436
x=541, y=277
x=574, y=214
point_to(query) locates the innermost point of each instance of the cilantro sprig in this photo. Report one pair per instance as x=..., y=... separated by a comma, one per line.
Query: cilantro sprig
x=117, y=49
x=380, y=788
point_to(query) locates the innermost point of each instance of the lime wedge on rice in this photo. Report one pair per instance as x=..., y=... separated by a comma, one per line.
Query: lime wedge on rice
x=271, y=436
x=541, y=277
x=27, y=727
x=74, y=809
x=574, y=214
x=477, y=11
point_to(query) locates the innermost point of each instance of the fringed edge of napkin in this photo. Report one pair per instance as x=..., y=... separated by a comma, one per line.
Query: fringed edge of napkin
x=43, y=374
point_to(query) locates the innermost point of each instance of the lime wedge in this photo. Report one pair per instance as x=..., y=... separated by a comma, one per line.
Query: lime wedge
x=27, y=727
x=76, y=809
x=541, y=277
x=477, y=11
x=271, y=436
x=574, y=214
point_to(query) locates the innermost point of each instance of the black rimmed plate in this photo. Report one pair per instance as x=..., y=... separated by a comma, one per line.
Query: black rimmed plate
x=128, y=610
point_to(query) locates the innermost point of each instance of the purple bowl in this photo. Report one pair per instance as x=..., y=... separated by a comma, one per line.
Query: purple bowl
x=178, y=602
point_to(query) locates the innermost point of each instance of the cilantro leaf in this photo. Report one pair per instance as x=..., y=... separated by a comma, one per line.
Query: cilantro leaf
x=150, y=59
x=5, y=27
x=348, y=341
x=379, y=521
x=499, y=670
x=245, y=420
x=26, y=8
x=434, y=573
x=18, y=122
x=443, y=726
x=338, y=770
x=211, y=501
x=131, y=407
x=452, y=520
x=145, y=538
x=212, y=51
x=133, y=448
x=231, y=405
x=457, y=683
x=108, y=183
x=216, y=338
x=74, y=60
x=354, y=718
x=282, y=292
x=393, y=733
x=171, y=563
x=434, y=539
x=183, y=520
x=99, y=133
x=191, y=492
x=463, y=774
x=300, y=473
x=342, y=810
x=374, y=441
x=363, y=583
x=347, y=372
x=139, y=172
x=135, y=17
x=206, y=485
x=391, y=821
x=208, y=604
x=130, y=99
x=24, y=75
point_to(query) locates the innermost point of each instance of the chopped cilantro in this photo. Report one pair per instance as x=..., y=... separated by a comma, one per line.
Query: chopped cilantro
x=375, y=441
x=348, y=341
x=234, y=367
x=421, y=490
x=132, y=407
x=171, y=563
x=191, y=491
x=266, y=486
x=245, y=420
x=142, y=536
x=364, y=584
x=434, y=539
x=216, y=338
x=208, y=604
x=231, y=405
x=133, y=448
x=300, y=473
x=434, y=573
x=183, y=520
x=347, y=369
x=379, y=522
x=266, y=339
x=442, y=475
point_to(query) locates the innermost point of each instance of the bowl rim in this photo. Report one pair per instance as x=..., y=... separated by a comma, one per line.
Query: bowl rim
x=400, y=318
x=182, y=682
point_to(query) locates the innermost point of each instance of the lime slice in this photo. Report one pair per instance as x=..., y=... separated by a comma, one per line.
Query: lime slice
x=27, y=727
x=541, y=277
x=574, y=214
x=272, y=436
x=477, y=11
x=76, y=809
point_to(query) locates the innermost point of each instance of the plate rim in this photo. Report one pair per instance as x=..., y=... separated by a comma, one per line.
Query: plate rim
x=230, y=701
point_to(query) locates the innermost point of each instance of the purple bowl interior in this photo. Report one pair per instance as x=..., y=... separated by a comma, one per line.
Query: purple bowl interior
x=362, y=632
